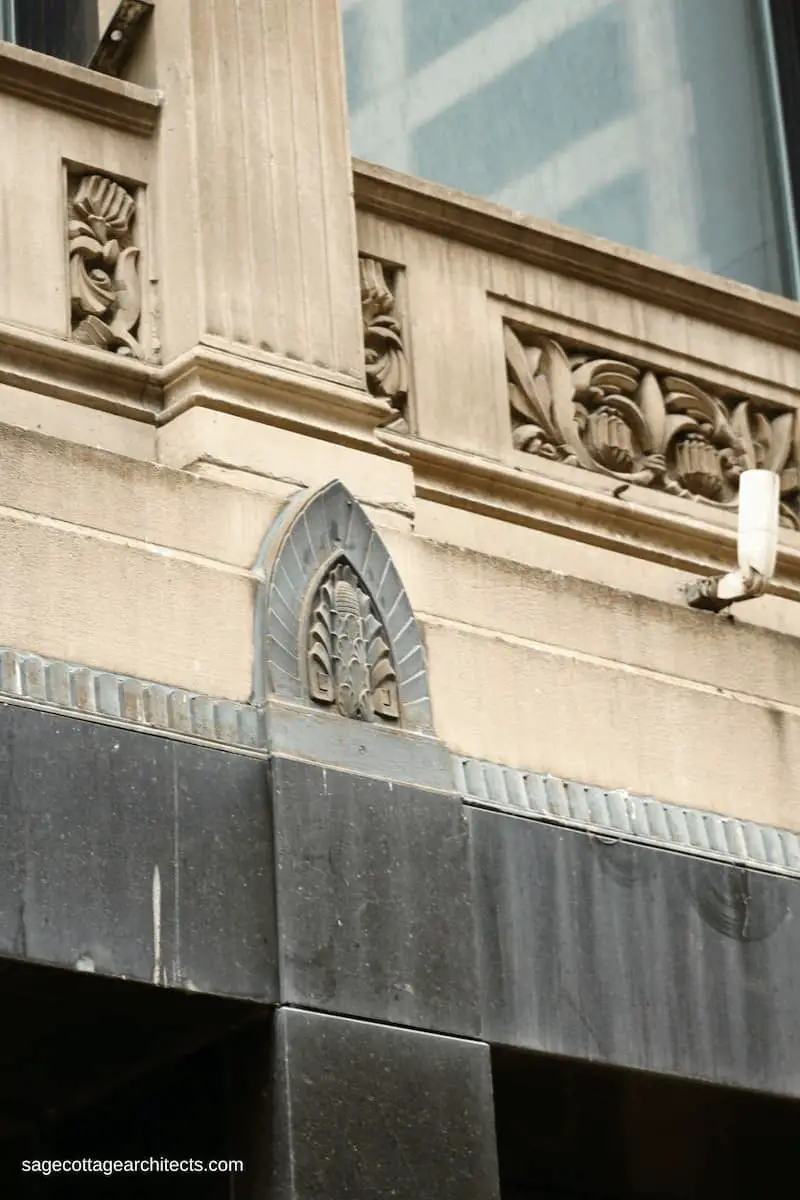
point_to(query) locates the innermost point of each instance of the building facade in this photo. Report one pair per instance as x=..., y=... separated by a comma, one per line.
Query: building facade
x=379, y=818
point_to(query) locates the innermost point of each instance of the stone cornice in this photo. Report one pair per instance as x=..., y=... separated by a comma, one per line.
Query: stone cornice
x=227, y=379
x=52, y=366
x=535, y=492
x=563, y=500
x=74, y=90
x=594, y=260
x=274, y=391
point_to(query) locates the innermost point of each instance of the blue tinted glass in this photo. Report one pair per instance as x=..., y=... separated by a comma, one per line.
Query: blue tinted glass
x=431, y=28
x=617, y=211
x=6, y=20
x=646, y=121
x=353, y=57
x=487, y=139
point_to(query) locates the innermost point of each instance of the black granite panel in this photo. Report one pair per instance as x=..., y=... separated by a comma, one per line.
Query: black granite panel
x=605, y=950
x=136, y=855
x=376, y=1111
x=374, y=899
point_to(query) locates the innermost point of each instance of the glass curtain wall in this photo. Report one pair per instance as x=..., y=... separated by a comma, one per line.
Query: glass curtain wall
x=66, y=29
x=650, y=122
x=6, y=20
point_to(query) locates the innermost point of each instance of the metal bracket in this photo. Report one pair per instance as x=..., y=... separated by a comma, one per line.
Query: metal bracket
x=120, y=37
x=720, y=591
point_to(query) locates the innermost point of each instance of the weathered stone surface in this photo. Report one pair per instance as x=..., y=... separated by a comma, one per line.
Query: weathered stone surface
x=369, y=1110
x=134, y=855
x=373, y=884
x=601, y=949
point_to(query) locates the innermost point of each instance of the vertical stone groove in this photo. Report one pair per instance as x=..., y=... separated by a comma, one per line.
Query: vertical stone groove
x=277, y=227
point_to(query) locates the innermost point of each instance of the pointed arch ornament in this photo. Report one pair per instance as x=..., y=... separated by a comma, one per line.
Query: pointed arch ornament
x=335, y=630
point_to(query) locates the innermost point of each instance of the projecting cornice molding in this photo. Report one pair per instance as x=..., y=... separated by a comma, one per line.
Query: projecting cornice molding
x=75, y=90
x=555, y=498
x=469, y=220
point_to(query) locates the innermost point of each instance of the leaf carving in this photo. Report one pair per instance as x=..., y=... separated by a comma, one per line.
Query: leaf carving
x=654, y=414
x=658, y=431
x=556, y=376
x=740, y=425
x=781, y=445
x=350, y=665
x=105, y=282
x=384, y=349
x=530, y=400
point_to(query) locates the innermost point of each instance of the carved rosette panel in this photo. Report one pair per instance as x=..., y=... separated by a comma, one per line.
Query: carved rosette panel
x=646, y=427
x=105, y=284
x=384, y=351
x=349, y=662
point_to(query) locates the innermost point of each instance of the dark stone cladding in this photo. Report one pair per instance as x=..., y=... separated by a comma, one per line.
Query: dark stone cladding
x=374, y=898
x=194, y=867
x=136, y=856
x=302, y=732
x=601, y=949
x=360, y=1109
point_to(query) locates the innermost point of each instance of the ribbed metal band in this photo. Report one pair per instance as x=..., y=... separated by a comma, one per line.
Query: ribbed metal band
x=72, y=688
x=621, y=814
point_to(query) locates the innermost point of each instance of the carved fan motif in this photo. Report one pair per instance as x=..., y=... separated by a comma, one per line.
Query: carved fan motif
x=349, y=662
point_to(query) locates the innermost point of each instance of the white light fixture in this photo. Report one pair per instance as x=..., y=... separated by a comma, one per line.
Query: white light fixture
x=756, y=546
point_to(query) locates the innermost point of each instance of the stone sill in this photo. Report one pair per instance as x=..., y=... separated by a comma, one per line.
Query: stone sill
x=569, y=502
x=522, y=489
x=223, y=377
x=568, y=252
x=77, y=91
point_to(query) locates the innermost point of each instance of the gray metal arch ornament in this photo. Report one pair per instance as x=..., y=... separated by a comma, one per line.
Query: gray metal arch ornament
x=334, y=626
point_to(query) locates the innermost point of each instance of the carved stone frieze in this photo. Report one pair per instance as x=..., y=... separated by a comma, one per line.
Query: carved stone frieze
x=384, y=351
x=105, y=284
x=349, y=662
x=646, y=427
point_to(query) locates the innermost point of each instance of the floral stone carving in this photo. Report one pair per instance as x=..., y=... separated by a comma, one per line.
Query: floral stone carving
x=349, y=662
x=334, y=626
x=644, y=427
x=385, y=356
x=105, y=287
